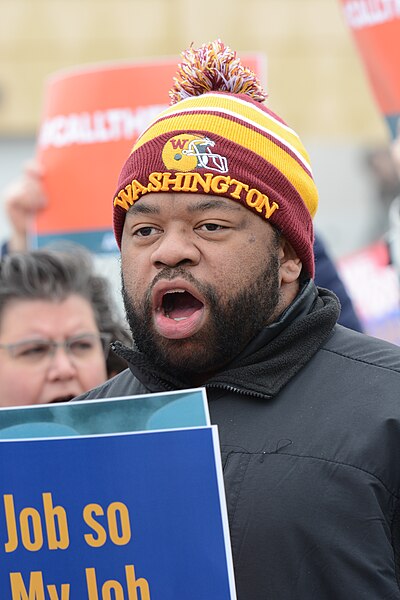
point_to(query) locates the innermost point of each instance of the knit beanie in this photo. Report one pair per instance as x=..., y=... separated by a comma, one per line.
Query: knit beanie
x=218, y=138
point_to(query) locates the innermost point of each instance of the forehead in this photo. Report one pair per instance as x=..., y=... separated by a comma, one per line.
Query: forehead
x=168, y=202
x=46, y=317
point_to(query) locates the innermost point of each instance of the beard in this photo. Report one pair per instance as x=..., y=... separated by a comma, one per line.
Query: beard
x=233, y=322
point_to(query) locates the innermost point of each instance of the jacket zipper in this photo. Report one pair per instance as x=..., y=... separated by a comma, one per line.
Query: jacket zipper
x=230, y=388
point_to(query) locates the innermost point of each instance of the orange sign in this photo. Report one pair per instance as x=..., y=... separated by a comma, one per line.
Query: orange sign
x=91, y=118
x=375, y=26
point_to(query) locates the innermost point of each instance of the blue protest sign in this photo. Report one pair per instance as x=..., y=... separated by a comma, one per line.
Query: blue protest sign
x=121, y=516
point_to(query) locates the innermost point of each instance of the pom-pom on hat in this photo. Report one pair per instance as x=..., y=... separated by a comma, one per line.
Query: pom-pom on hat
x=218, y=138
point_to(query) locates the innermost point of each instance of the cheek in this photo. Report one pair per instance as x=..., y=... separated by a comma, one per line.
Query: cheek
x=19, y=388
x=135, y=276
x=234, y=273
x=92, y=374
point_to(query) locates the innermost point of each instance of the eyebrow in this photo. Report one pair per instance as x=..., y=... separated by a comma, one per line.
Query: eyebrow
x=143, y=208
x=217, y=203
x=200, y=206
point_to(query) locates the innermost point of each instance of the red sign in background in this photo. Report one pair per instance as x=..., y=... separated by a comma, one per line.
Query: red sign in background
x=375, y=27
x=91, y=118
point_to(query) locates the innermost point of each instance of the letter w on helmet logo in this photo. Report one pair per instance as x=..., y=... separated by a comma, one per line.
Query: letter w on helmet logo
x=179, y=143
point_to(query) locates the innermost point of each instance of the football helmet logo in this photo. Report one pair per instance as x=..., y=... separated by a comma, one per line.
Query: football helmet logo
x=186, y=152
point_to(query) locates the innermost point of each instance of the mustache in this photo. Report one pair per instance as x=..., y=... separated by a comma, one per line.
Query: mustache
x=170, y=273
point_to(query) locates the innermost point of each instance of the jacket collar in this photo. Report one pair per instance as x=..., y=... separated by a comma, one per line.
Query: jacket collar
x=271, y=359
x=300, y=306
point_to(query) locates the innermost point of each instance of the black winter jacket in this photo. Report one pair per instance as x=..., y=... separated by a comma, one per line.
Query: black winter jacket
x=309, y=426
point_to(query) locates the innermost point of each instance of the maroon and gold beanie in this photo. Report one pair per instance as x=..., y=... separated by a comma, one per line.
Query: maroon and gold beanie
x=218, y=138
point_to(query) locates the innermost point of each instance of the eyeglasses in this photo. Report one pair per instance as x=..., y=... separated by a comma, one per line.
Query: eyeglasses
x=31, y=352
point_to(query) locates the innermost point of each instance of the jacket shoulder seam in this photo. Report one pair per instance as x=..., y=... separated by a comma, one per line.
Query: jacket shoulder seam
x=361, y=360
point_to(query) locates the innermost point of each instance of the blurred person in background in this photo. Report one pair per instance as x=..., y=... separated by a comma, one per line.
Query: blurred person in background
x=384, y=163
x=327, y=277
x=25, y=198
x=395, y=146
x=394, y=210
x=57, y=321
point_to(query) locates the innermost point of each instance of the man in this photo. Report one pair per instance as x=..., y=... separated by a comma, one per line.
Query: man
x=216, y=241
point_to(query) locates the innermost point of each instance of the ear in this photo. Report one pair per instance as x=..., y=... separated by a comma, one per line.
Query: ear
x=290, y=264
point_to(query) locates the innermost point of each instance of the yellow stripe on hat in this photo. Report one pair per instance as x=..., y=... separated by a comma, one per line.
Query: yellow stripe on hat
x=246, y=137
x=248, y=113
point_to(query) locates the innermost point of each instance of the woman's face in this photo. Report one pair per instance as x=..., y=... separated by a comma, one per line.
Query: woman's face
x=30, y=372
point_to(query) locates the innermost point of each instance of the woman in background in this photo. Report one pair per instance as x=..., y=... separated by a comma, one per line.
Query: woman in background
x=57, y=320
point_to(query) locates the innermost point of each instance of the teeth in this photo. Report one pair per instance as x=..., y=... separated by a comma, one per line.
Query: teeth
x=174, y=291
x=175, y=318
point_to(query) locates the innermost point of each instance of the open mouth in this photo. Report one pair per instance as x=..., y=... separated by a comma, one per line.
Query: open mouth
x=180, y=304
x=62, y=399
x=178, y=314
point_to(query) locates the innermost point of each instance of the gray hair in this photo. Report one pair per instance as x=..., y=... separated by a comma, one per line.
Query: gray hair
x=56, y=274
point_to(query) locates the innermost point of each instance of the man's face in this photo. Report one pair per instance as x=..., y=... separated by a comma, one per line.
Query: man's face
x=201, y=277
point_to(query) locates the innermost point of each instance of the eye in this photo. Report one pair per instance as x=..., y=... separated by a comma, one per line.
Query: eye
x=82, y=345
x=211, y=227
x=31, y=350
x=146, y=231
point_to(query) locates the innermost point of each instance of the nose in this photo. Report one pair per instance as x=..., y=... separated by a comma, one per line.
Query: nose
x=176, y=247
x=61, y=365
